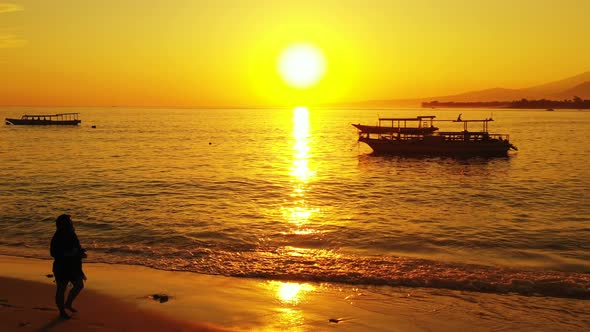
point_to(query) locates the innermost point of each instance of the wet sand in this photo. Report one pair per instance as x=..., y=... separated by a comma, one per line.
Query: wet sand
x=120, y=298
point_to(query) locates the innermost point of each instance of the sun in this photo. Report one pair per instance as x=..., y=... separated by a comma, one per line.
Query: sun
x=301, y=65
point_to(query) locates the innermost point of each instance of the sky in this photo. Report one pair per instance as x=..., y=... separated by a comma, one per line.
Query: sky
x=224, y=53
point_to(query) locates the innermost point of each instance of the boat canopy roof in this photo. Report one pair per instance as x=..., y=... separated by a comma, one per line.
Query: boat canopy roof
x=484, y=120
x=420, y=125
x=418, y=118
x=49, y=115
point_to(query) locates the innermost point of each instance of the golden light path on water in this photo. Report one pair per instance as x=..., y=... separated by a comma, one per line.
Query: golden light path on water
x=300, y=213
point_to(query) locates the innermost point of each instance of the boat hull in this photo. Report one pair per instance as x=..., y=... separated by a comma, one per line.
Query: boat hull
x=25, y=122
x=454, y=148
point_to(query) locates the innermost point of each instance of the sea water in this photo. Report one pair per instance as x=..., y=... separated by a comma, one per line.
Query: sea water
x=290, y=194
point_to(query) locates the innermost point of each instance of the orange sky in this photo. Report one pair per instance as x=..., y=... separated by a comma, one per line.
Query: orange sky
x=224, y=52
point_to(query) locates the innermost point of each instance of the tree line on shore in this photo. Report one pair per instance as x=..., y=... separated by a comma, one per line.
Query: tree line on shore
x=575, y=103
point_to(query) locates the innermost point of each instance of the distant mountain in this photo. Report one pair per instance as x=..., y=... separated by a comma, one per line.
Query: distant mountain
x=493, y=94
x=557, y=87
x=578, y=85
x=582, y=90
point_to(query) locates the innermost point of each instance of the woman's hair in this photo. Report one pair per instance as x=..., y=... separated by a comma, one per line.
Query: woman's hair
x=64, y=221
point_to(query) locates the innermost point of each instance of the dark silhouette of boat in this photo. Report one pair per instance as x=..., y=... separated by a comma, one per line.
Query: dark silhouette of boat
x=419, y=136
x=62, y=119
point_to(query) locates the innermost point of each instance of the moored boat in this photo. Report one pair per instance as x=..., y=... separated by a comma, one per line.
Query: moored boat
x=419, y=136
x=61, y=119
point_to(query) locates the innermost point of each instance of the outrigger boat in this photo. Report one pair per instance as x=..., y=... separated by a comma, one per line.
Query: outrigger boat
x=419, y=136
x=62, y=119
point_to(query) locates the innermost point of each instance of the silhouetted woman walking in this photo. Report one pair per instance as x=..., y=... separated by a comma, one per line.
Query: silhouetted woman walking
x=67, y=265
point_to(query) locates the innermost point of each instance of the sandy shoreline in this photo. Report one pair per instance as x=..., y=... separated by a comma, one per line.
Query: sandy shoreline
x=27, y=306
x=116, y=298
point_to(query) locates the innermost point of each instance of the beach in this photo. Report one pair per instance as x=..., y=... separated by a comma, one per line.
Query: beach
x=26, y=306
x=120, y=298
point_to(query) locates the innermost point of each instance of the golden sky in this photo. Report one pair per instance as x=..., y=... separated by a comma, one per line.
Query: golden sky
x=225, y=52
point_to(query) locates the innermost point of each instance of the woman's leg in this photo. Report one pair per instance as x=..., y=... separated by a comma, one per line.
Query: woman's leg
x=78, y=286
x=59, y=297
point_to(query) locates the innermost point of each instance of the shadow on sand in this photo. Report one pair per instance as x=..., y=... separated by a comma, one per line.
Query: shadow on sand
x=51, y=324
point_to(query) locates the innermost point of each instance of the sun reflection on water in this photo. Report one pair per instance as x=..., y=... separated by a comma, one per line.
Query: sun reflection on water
x=290, y=295
x=291, y=292
x=302, y=174
x=300, y=169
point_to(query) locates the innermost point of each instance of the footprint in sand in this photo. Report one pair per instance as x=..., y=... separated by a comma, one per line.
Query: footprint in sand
x=4, y=303
x=44, y=309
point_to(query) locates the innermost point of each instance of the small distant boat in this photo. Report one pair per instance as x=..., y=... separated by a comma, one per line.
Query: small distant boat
x=419, y=136
x=62, y=119
x=550, y=110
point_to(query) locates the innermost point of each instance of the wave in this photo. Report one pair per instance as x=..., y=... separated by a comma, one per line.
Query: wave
x=317, y=265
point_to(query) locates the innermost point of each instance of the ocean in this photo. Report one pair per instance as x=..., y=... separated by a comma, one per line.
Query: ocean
x=289, y=194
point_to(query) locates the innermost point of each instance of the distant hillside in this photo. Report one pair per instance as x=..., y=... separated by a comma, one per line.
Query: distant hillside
x=557, y=87
x=575, y=103
x=493, y=94
x=582, y=90
x=578, y=85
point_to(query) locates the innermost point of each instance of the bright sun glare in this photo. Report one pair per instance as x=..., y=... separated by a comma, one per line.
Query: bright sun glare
x=301, y=65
